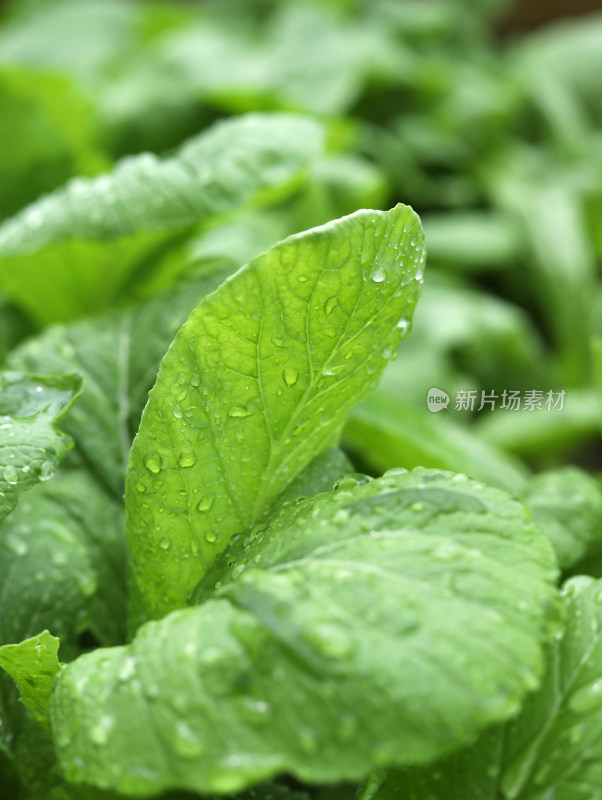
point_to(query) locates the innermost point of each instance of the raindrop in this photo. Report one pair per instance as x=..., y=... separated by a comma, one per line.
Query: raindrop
x=330, y=305
x=204, y=504
x=164, y=543
x=100, y=732
x=237, y=411
x=350, y=481
x=302, y=278
x=185, y=742
x=290, y=376
x=11, y=474
x=128, y=669
x=333, y=370
x=211, y=536
x=378, y=274
x=187, y=460
x=153, y=465
x=47, y=470
x=331, y=641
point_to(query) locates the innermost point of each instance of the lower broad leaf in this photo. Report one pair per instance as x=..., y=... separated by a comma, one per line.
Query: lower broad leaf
x=383, y=623
x=552, y=749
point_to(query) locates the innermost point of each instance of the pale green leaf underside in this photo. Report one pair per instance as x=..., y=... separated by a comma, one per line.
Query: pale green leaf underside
x=71, y=251
x=31, y=447
x=256, y=383
x=552, y=750
x=431, y=590
x=33, y=665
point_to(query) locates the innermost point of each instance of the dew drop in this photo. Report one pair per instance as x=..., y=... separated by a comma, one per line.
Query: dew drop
x=330, y=371
x=204, y=504
x=237, y=411
x=378, y=274
x=350, y=481
x=302, y=278
x=152, y=464
x=331, y=641
x=164, y=543
x=99, y=733
x=47, y=470
x=330, y=305
x=128, y=669
x=185, y=742
x=11, y=475
x=187, y=460
x=290, y=376
x=211, y=536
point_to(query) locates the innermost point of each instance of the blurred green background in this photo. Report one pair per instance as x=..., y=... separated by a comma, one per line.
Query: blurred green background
x=484, y=116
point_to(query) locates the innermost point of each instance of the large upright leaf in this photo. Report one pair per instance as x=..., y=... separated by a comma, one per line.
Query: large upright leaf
x=31, y=446
x=117, y=355
x=552, y=750
x=55, y=259
x=257, y=382
x=382, y=623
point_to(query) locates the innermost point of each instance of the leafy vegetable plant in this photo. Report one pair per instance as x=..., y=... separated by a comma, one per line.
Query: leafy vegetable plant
x=239, y=557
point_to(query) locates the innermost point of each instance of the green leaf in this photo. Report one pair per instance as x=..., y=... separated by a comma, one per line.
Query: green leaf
x=33, y=665
x=257, y=382
x=567, y=505
x=117, y=355
x=30, y=751
x=387, y=432
x=72, y=252
x=31, y=446
x=430, y=589
x=597, y=348
x=544, y=436
x=552, y=748
x=339, y=56
x=63, y=564
x=472, y=240
x=318, y=476
x=47, y=135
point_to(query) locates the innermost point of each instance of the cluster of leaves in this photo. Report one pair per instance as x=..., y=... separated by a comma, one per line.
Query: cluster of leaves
x=239, y=612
